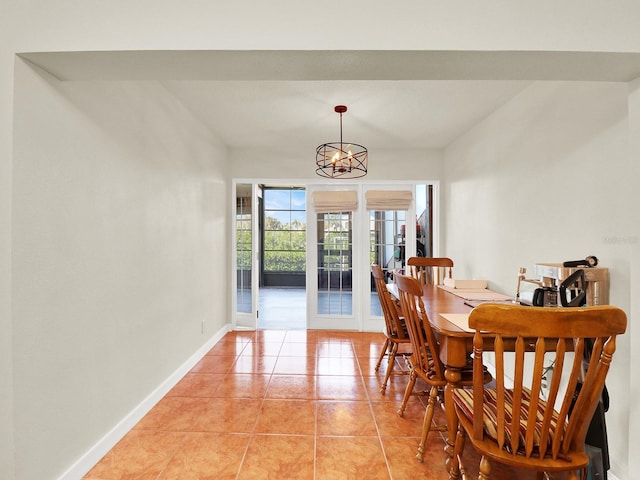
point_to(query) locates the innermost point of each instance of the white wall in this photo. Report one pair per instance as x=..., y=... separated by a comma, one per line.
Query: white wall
x=545, y=179
x=120, y=212
x=190, y=24
x=634, y=255
x=6, y=327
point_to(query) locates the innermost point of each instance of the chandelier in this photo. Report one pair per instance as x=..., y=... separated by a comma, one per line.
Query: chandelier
x=340, y=160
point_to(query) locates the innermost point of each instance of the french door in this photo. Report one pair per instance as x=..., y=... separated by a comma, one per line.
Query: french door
x=348, y=227
x=332, y=244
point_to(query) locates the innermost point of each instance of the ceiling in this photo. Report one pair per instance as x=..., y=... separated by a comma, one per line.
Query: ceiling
x=381, y=114
x=395, y=99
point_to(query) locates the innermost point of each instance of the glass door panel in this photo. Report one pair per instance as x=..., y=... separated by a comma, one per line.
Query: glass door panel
x=246, y=278
x=425, y=220
x=243, y=254
x=335, y=264
x=396, y=235
x=386, y=247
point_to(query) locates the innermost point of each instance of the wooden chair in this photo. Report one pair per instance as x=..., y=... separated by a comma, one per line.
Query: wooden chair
x=539, y=437
x=395, y=329
x=425, y=361
x=430, y=270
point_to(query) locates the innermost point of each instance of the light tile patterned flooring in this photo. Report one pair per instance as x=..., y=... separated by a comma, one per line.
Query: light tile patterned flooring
x=284, y=404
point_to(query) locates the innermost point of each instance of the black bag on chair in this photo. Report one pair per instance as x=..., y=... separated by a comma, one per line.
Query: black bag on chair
x=597, y=432
x=572, y=293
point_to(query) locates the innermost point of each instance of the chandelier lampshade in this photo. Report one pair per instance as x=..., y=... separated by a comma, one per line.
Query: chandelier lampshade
x=340, y=159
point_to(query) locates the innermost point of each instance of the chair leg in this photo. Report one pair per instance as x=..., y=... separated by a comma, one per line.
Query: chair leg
x=390, y=366
x=407, y=392
x=428, y=418
x=485, y=469
x=456, y=464
x=383, y=352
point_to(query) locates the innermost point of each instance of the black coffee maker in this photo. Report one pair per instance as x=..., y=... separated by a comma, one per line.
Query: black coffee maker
x=545, y=297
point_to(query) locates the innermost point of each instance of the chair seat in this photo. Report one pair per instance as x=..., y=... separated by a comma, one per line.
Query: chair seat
x=463, y=399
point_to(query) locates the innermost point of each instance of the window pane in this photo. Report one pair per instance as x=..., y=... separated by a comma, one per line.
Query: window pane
x=244, y=260
x=276, y=220
x=275, y=199
x=277, y=261
x=244, y=239
x=243, y=224
x=298, y=261
x=299, y=241
x=298, y=200
x=276, y=240
x=298, y=220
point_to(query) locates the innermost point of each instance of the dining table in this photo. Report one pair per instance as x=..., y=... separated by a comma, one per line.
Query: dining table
x=448, y=313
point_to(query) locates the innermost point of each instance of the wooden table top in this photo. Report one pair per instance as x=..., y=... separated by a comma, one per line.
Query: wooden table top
x=438, y=301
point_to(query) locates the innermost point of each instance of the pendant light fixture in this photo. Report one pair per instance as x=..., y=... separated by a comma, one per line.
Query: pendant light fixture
x=339, y=159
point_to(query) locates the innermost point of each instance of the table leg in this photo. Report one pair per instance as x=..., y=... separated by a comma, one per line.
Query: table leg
x=453, y=376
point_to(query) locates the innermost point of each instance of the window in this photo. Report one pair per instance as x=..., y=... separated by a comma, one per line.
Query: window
x=284, y=231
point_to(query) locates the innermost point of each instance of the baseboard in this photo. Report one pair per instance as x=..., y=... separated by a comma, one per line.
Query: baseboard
x=85, y=463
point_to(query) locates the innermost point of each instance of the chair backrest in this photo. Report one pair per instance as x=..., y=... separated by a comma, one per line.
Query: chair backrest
x=430, y=270
x=389, y=310
x=424, y=344
x=551, y=423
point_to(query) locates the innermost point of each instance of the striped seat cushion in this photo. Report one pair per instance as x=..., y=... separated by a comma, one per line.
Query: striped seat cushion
x=464, y=401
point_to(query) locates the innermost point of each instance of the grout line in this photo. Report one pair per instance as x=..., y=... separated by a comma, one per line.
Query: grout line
x=173, y=454
x=373, y=416
x=252, y=434
x=315, y=431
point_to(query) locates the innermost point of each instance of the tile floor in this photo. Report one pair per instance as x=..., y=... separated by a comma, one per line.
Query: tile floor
x=283, y=404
